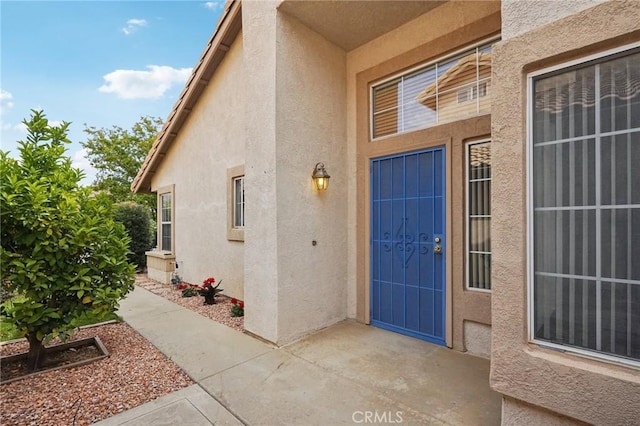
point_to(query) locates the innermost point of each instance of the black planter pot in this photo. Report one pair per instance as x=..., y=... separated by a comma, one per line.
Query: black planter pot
x=209, y=299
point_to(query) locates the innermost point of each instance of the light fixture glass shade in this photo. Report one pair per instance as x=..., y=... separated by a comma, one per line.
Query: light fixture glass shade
x=320, y=177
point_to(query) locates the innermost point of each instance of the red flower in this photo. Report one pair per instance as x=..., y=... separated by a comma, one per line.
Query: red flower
x=241, y=304
x=234, y=300
x=182, y=286
x=209, y=281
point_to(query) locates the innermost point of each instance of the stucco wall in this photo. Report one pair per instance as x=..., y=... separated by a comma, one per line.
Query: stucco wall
x=517, y=413
x=580, y=387
x=296, y=120
x=260, y=233
x=520, y=16
x=310, y=99
x=197, y=165
x=477, y=339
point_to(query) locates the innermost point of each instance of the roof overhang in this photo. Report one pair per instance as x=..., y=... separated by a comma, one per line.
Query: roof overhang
x=229, y=25
x=352, y=23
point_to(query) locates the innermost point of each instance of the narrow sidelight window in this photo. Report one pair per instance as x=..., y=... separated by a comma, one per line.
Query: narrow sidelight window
x=479, y=215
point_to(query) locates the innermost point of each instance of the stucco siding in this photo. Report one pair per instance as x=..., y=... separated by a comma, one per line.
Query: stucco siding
x=260, y=234
x=518, y=413
x=520, y=16
x=211, y=140
x=295, y=119
x=310, y=96
x=580, y=387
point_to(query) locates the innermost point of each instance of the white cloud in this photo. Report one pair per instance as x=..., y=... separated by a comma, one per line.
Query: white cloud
x=133, y=25
x=149, y=84
x=20, y=127
x=6, y=101
x=79, y=160
x=214, y=5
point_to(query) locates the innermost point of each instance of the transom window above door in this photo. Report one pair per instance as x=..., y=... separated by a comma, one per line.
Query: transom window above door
x=447, y=89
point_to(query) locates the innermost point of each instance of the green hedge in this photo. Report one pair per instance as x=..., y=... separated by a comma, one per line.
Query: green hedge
x=136, y=219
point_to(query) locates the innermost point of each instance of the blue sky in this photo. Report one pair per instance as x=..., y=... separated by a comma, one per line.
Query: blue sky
x=100, y=63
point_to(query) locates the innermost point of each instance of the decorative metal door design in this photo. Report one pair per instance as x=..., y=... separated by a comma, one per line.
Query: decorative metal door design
x=408, y=244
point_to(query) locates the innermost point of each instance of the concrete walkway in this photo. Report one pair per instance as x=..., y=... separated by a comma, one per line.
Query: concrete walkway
x=347, y=374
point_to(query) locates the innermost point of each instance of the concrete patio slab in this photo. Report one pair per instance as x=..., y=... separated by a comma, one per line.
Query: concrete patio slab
x=293, y=391
x=348, y=373
x=448, y=385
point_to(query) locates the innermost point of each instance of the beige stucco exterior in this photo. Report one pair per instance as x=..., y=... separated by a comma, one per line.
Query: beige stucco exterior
x=160, y=265
x=578, y=387
x=293, y=287
x=523, y=16
x=196, y=166
x=292, y=92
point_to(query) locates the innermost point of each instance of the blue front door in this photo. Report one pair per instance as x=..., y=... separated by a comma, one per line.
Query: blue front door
x=408, y=244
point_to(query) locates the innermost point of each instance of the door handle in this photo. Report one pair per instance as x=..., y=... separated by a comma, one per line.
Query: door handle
x=437, y=248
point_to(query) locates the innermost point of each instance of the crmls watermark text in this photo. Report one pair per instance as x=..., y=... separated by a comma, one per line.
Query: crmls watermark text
x=372, y=417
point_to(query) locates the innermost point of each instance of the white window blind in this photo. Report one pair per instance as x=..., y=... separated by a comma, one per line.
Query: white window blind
x=440, y=92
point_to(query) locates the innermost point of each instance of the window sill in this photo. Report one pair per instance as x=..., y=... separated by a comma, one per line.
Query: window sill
x=235, y=234
x=160, y=254
x=560, y=354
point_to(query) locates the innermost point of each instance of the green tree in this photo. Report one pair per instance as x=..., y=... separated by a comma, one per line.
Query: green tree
x=117, y=155
x=62, y=255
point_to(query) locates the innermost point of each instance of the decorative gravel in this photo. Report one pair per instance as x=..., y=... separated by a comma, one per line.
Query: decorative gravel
x=134, y=373
x=219, y=312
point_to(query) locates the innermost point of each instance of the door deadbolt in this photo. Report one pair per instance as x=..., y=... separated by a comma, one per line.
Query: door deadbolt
x=437, y=239
x=437, y=248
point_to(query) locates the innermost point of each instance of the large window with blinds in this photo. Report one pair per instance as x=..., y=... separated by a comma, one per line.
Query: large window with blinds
x=584, y=184
x=445, y=90
x=478, y=209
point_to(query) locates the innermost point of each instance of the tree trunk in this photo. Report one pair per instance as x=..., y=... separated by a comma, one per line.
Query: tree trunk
x=36, y=354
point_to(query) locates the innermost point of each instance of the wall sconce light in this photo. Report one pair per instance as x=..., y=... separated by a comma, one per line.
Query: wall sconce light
x=320, y=177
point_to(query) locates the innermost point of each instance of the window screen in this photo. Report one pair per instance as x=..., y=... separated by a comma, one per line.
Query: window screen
x=586, y=206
